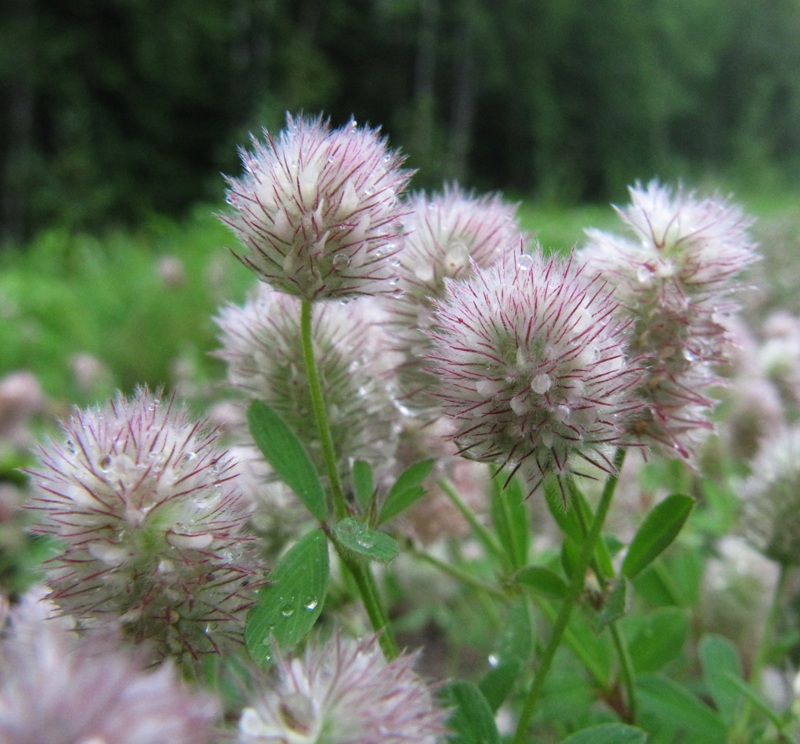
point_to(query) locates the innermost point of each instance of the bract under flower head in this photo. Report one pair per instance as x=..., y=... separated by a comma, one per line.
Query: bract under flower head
x=344, y=693
x=533, y=367
x=152, y=529
x=317, y=210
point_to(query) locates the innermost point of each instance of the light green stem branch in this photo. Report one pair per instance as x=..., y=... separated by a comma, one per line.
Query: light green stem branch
x=360, y=571
x=320, y=411
x=574, y=592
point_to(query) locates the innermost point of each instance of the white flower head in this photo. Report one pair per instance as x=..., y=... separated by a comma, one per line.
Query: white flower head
x=318, y=211
x=533, y=367
x=151, y=527
x=344, y=693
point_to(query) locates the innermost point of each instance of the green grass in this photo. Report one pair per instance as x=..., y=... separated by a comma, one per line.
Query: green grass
x=66, y=295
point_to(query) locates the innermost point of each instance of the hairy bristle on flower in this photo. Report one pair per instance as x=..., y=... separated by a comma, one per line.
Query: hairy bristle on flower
x=533, y=367
x=61, y=686
x=150, y=525
x=675, y=281
x=317, y=210
x=449, y=233
x=344, y=692
x=262, y=347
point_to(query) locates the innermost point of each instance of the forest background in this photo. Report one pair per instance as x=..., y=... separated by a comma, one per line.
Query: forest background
x=113, y=111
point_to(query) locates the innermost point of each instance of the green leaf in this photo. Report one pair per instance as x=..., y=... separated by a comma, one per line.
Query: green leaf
x=660, y=527
x=287, y=456
x=608, y=733
x=679, y=710
x=572, y=520
x=405, y=491
x=289, y=606
x=542, y=581
x=721, y=665
x=565, y=516
x=656, y=638
x=510, y=520
x=363, y=482
x=511, y=654
x=471, y=720
x=360, y=539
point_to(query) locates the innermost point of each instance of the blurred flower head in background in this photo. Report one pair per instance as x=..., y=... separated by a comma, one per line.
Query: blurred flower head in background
x=344, y=692
x=61, y=686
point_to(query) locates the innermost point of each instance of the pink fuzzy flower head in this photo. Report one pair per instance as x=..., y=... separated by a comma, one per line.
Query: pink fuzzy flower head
x=533, y=367
x=344, y=693
x=448, y=234
x=317, y=210
x=674, y=280
x=62, y=687
x=150, y=525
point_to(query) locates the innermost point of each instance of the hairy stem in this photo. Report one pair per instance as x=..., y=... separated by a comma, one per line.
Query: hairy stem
x=362, y=575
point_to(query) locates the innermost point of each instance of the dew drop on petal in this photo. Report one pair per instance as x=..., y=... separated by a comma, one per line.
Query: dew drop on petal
x=541, y=384
x=341, y=261
x=525, y=262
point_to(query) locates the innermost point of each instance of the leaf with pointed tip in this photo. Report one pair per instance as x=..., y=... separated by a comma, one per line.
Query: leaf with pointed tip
x=659, y=529
x=542, y=581
x=363, y=482
x=288, y=607
x=471, y=719
x=287, y=456
x=406, y=490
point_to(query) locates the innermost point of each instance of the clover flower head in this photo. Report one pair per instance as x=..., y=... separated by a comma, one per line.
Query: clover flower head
x=261, y=345
x=60, y=686
x=344, y=693
x=674, y=279
x=698, y=245
x=317, y=210
x=533, y=367
x=449, y=233
x=771, y=498
x=151, y=527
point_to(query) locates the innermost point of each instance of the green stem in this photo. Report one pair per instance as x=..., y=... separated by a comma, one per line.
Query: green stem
x=459, y=574
x=770, y=624
x=374, y=607
x=623, y=656
x=320, y=411
x=574, y=592
x=361, y=572
x=626, y=670
x=486, y=537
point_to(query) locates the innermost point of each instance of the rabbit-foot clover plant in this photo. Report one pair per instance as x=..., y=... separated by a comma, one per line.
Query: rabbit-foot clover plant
x=449, y=409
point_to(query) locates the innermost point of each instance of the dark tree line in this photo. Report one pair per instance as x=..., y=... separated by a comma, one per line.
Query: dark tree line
x=111, y=110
